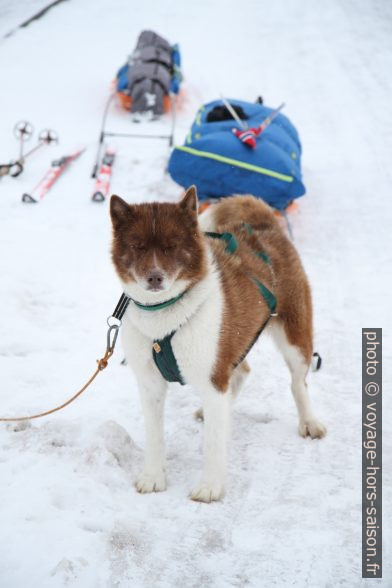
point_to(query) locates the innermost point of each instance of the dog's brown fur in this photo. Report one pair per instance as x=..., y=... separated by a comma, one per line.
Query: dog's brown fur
x=164, y=234
x=168, y=235
x=224, y=309
x=245, y=310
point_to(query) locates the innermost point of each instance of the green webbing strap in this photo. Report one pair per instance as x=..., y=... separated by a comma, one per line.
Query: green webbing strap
x=267, y=295
x=232, y=246
x=159, y=305
x=231, y=242
x=235, y=162
x=162, y=350
x=264, y=256
x=162, y=353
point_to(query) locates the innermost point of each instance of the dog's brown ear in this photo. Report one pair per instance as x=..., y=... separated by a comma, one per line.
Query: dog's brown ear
x=120, y=211
x=189, y=201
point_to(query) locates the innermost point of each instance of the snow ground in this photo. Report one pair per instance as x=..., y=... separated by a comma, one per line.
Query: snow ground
x=11, y=16
x=292, y=513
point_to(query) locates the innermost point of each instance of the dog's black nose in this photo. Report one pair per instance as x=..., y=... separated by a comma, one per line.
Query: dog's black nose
x=154, y=279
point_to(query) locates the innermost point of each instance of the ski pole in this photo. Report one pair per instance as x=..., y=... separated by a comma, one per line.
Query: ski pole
x=23, y=130
x=14, y=168
x=233, y=113
x=248, y=136
x=267, y=121
x=46, y=137
x=102, y=135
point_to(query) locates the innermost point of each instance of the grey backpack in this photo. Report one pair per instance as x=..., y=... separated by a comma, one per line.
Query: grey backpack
x=149, y=73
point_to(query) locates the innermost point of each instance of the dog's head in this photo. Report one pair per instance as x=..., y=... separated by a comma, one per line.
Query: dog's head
x=158, y=247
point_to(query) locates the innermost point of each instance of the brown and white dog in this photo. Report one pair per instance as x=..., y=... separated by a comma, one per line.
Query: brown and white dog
x=160, y=252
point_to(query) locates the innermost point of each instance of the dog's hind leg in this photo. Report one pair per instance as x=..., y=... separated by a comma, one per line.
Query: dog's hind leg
x=237, y=381
x=238, y=378
x=297, y=356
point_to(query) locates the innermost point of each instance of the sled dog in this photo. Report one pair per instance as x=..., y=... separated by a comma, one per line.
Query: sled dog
x=201, y=290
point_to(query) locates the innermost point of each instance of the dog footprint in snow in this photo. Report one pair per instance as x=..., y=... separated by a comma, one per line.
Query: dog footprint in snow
x=20, y=426
x=263, y=418
x=258, y=418
x=69, y=569
x=118, y=442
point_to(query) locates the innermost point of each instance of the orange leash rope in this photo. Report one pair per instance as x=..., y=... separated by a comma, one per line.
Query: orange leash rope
x=102, y=364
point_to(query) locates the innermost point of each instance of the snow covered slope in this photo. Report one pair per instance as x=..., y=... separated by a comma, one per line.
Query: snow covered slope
x=12, y=17
x=70, y=515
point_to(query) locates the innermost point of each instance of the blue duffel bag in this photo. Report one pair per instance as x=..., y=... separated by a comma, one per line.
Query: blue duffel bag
x=219, y=164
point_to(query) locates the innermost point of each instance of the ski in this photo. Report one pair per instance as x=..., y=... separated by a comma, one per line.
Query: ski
x=102, y=183
x=54, y=172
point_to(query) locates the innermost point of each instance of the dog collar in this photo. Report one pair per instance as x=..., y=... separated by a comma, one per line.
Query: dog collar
x=122, y=304
x=159, y=305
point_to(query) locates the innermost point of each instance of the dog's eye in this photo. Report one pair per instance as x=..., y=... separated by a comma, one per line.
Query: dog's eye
x=169, y=248
x=139, y=247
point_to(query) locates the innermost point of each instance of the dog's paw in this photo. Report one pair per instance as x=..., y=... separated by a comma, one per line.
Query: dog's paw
x=151, y=482
x=207, y=492
x=312, y=428
x=199, y=414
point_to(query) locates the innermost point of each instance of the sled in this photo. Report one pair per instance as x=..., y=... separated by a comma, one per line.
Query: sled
x=147, y=86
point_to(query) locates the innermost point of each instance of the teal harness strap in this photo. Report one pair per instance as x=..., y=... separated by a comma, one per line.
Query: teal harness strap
x=267, y=295
x=162, y=353
x=231, y=241
x=264, y=256
x=232, y=246
x=271, y=302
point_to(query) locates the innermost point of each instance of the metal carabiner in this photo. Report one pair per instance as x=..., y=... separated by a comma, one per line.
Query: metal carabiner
x=112, y=337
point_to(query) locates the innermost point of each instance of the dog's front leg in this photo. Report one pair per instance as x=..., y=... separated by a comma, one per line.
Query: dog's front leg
x=217, y=413
x=153, y=393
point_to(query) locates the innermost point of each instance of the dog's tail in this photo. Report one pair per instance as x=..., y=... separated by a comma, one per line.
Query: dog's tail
x=235, y=210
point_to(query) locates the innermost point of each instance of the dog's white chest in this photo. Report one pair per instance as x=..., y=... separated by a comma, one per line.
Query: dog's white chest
x=196, y=321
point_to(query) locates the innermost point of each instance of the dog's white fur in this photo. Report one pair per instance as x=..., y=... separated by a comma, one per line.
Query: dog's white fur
x=194, y=345
x=308, y=424
x=197, y=319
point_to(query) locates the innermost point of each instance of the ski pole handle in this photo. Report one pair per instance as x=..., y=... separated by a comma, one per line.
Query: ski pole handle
x=95, y=171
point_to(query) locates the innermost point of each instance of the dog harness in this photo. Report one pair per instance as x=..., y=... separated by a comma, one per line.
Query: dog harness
x=162, y=351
